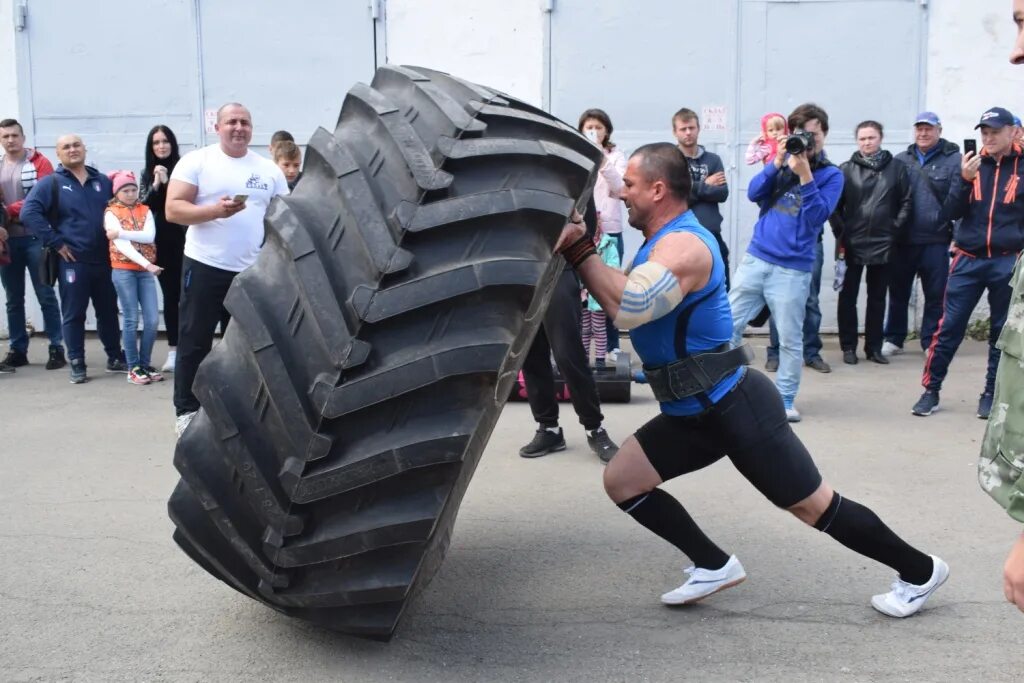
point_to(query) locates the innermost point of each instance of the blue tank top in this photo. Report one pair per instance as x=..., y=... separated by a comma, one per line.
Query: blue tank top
x=701, y=322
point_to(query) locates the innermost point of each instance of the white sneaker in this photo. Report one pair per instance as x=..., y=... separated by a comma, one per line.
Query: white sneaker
x=612, y=355
x=793, y=415
x=905, y=598
x=181, y=423
x=705, y=582
x=172, y=357
x=890, y=349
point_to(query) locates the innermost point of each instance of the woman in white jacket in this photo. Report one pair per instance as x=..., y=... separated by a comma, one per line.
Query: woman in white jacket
x=597, y=125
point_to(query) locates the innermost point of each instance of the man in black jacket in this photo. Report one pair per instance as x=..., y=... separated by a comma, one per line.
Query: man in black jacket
x=872, y=212
x=922, y=250
x=707, y=172
x=990, y=202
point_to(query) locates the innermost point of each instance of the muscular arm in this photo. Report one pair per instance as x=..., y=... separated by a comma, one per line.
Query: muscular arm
x=685, y=256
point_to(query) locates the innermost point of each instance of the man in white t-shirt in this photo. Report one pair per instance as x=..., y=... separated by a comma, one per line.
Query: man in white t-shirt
x=221, y=192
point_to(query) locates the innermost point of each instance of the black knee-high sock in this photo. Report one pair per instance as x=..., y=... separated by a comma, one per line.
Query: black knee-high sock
x=861, y=530
x=662, y=514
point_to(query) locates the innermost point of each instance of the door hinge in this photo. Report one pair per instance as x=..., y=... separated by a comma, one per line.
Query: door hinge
x=20, y=16
x=375, y=9
x=547, y=6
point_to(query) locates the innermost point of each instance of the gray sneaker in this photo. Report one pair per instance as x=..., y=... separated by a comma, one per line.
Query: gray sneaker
x=78, y=375
x=771, y=365
x=819, y=364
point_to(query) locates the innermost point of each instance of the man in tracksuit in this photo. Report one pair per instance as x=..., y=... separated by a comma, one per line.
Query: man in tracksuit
x=922, y=250
x=77, y=235
x=990, y=203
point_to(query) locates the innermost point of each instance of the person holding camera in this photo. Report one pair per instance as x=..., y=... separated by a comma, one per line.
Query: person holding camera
x=796, y=193
x=986, y=243
x=874, y=208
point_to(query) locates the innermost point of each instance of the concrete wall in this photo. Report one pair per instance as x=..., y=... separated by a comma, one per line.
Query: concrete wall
x=495, y=43
x=8, y=63
x=968, y=63
x=507, y=45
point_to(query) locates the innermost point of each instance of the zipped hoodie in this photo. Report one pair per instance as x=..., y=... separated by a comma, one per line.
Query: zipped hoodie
x=80, y=209
x=35, y=168
x=991, y=208
x=787, y=232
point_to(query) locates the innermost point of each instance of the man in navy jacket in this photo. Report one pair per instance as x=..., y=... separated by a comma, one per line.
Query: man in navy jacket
x=923, y=249
x=990, y=204
x=77, y=235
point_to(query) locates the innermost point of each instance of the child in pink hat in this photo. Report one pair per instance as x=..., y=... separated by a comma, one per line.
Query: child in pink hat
x=131, y=230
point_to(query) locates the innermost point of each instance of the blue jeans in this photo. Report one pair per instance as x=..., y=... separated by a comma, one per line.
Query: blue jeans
x=812, y=316
x=784, y=290
x=931, y=263
x=135, y=289
x=26, y=250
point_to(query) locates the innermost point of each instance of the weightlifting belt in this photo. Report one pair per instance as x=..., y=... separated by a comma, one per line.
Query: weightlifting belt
x=696, y=374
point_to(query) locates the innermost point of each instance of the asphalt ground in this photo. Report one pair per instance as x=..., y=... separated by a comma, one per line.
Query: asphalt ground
x=545, y=580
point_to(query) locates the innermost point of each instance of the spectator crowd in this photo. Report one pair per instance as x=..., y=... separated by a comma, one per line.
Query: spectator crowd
x=187, y=224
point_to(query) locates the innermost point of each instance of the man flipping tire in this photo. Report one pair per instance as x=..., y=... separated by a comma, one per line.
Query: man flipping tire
x=674, y=303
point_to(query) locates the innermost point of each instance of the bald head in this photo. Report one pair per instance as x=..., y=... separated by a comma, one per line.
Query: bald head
x=663, y=162
x=71, y=151
x=230, y=107
x=234, y=128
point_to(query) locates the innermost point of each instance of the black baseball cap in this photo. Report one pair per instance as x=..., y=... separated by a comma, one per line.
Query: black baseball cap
x=996, y=117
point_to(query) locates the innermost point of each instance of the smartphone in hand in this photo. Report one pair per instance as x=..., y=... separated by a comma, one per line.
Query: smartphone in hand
x=970, y=146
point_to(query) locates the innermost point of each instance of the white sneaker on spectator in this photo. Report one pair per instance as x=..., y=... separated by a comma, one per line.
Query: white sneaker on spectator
x=705, y=582
x=172, y=357
x=890, y=349
x=181, y=423
x=905, y=598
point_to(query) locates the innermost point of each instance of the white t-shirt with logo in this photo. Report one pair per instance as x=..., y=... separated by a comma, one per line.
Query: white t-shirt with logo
x=229, y=243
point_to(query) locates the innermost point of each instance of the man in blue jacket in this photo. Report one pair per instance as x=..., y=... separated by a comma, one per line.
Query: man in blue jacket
x=76, y=233
x=795, y=202
x=923, y=249
x=990, y=204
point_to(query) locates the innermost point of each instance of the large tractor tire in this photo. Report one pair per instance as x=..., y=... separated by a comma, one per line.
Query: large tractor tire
x=373, y=345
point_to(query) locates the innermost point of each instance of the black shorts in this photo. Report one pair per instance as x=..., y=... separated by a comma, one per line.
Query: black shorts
x=749, y=425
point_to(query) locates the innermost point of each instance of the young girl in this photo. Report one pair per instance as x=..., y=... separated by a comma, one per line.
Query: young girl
x=765, y=146
x=594, y=320
x=131, y=231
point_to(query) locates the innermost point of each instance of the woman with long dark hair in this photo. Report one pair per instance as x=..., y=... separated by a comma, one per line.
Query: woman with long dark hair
x=161, y=157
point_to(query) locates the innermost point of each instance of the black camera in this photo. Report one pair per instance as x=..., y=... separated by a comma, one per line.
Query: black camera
x=799, y=142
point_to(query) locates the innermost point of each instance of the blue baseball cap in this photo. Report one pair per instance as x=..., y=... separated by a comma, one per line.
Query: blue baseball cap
x=929, y=117
x=996, y=117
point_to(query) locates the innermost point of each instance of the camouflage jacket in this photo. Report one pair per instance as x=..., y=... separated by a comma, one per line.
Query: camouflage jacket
x=1001, y=465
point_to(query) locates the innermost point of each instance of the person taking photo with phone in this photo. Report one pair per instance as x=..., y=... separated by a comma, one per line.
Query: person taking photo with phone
x=990, y=206
x=221, y=192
